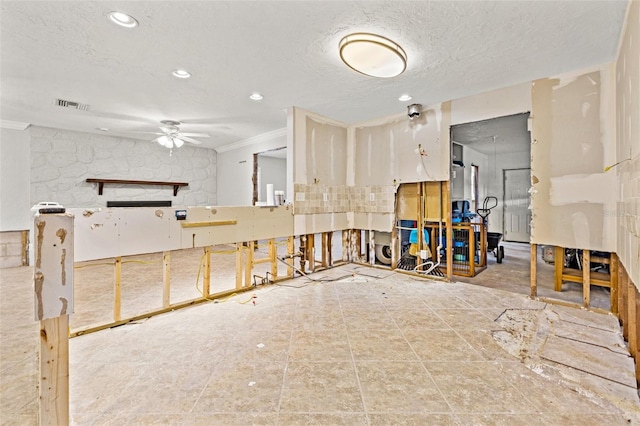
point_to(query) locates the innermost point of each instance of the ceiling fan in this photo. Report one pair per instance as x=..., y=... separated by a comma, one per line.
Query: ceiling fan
x=171, y=136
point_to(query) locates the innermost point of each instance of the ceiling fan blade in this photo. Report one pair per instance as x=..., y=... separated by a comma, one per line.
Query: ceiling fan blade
x=197, y=135
x=187, y=139
x=149, y=133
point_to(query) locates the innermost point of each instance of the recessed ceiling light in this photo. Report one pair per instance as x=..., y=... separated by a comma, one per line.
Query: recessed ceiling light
x=122, y=19
x=404, y=98
x=256, y=96
x=102, y=129
x=181, y=73
x=373, y=55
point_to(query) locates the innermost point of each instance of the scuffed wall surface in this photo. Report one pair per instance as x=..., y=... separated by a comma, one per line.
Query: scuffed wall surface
x=61, y=161
x=628, y=147
x=571, y=141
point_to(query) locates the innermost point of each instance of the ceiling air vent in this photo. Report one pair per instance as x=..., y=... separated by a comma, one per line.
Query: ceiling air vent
x=73, y=105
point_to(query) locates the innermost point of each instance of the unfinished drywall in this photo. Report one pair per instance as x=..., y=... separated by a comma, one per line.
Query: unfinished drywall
x=61, y=160
x=14, y=180
x=572, y=143
x=234, y=167
x=496, y=103
x=627, y=87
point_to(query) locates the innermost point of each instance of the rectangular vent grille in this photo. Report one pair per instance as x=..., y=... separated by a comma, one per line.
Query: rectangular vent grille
x=73, y=105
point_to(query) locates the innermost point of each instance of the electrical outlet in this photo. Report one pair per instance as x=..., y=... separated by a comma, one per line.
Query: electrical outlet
x=372, y=196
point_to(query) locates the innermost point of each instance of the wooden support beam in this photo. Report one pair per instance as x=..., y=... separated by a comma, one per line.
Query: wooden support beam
x=472, y=251
x=273, y=256
x=208, y=223
x=166, y=279
x=623, y=286
x=290, y=260
x=420, y=225
x=238, y=266
x=54, y=371
x=632, y=319
x=357, y=247
x=613, y=273
x=446, y=213
x=372, y=248
x=303, y=253
x=324, y=249
x=586, y=278
x=117, y=289
x=24, y=235
x=329, y=249
x=346, y=247
x=248, y=264
x=206, y=281
x=534, y=270
x=558, y=261
x=311, y=252
x=394, y=244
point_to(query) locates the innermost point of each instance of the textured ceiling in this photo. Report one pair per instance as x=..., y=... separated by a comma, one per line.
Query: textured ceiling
x=286, y=50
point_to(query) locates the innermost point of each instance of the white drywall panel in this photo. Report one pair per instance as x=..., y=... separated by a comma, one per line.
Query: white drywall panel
x=317, y=223
x=235, y=167
x=373, y=221
x=571, y=137
x=326, y=149
x=627, y=86
x=398, y=150
x=14, y=180
x=496, y=103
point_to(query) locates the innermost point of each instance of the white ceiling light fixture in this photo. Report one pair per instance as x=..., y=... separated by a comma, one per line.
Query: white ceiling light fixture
x=405, y=98
x=255, y=96
x=373, y=55
x=180, y=73
x=122, y=19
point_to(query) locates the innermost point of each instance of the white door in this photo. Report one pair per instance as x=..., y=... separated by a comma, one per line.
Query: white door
x=517, y=216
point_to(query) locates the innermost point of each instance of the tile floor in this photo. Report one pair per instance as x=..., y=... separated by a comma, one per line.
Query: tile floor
x=360, y=347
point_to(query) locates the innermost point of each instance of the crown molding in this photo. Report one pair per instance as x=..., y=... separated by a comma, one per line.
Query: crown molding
x=13, y=125
x=265, y=137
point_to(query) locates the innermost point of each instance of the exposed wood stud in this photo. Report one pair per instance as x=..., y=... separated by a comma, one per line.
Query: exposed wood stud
x=534, y=269
x=166, y=279
x=290, y=260
x=324, y=249
x=632, y=319
x=273, y=256
x=238, y=266
x=472, y=251
x=446, y=197
x=25, y=247
x=54, y=371
x=613, y=272
x=372, y=247
x=586, y=278
x=346, y=246
x=330, y=248
x=117, y=289
x=311, y=252
x=558, y=260
x=206, y=281
x=248, y=272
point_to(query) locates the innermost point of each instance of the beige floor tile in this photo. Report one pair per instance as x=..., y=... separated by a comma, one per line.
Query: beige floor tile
x=322, y=345
x=466, y=319
x=399, y=387
x=414, y=419
x=444, y=301
x=235, y=419
x=309, y=321
x=477, y=387
x=261, y=346
x=242, y=387
x=321, y=387
x=369, y=319
x=503, y=420
x=483, y=343
x=419, y=319
x=440, y=345
x=322, y=419
x=389, y=345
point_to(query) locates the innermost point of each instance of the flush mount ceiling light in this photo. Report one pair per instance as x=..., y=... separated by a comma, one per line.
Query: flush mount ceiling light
x=404, y=98
x=122, y=19
x=373, y=55
x=181, y=73
x=256, y=96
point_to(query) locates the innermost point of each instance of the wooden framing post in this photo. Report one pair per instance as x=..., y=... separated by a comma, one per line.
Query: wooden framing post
x=632, y=319
x=346, y=248
x=206, y=281
x=166, y=279
x=311, y=252
x=273, y=256
x=330, y=248
x=613, y=273
x=623, y=285
x=53, y=297
x=24, y=248
x=290, y=249
x=238, y=266
x=248, y=264
x=472, y=251
x=394, y=244
x=372, y=248
x=420, y=226
x=534, y=270
x=117, y=289
x=586, y=278
x=54, y=371
x=558, y=261
x=304, y=253
x=446, y=202
x=324, y=249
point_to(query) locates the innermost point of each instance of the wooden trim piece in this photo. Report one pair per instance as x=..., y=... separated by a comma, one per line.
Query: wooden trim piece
x=166, y=279
x=117, y=289
x=211, y=223
x=54, y=371
x=586, y=278
x=534, y=269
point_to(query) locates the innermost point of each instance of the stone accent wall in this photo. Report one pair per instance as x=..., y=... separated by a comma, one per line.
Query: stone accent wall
x=10, y=249
x=310, y=199
x=61, y=161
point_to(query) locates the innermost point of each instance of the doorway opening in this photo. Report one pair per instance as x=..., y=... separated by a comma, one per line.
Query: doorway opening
x=269, y=177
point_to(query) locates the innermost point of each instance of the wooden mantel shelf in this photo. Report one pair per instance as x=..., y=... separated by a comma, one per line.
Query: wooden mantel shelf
x=101, y=182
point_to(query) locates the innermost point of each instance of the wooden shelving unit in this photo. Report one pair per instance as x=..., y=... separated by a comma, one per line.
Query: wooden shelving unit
x=101, y=182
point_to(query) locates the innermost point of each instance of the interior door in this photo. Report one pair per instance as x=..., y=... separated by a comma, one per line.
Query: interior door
x=517, y=216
